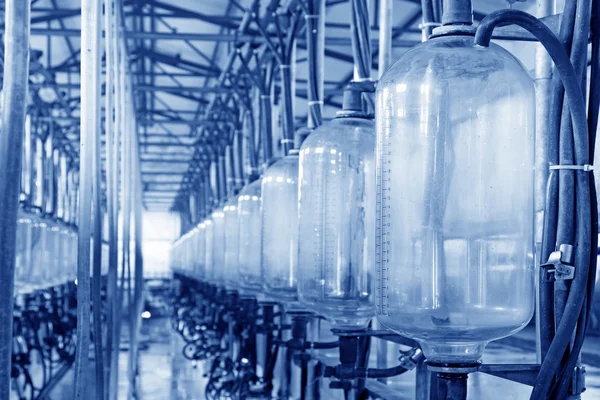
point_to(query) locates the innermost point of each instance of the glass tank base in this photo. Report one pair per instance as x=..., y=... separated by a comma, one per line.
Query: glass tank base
x=452, y=353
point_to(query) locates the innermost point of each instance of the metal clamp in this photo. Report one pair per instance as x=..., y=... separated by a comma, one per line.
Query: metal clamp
x=409, y=360
x=578, y=380
x=560, y=265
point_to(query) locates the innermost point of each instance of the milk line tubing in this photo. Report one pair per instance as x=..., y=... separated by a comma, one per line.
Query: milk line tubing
x=313, y=24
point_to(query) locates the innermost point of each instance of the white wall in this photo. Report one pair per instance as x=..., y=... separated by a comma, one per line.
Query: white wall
x=160, y=229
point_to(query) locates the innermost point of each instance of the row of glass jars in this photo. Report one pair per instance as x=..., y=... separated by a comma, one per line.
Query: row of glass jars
x=46, y=252
x=434, y=211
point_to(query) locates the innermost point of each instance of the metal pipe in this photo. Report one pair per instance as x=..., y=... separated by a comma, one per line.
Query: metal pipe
x=221, y=178
x=139, y=260
x=16, y=75
x=361, y=39
x=49, y=173
x=386, y=9
x=97, y=218
x=266, y=122
x=111, y=183
x=457, y=12
x=229, y=171
x=90, y=19
x=315, y=43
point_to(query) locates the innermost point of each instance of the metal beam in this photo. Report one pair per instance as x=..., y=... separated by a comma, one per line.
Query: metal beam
x=219, y=21
x=184, y=89
x=177, y=61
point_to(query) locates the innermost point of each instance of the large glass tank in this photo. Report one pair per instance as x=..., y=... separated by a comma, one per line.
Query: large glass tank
x=280, y=228
x=68, y=268
x=337, y=221
x=230, y=220
x=455, y=129
x=25, y=223
x=200, y=249
x=54, y=252
x=41, y=267
x=249, y=219
x=218, y=245
x=208, y=249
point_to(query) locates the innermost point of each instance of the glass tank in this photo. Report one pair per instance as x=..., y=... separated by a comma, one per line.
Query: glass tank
x=455, y=129
x=73, y=253
x=230, y=220
x=218, y=246
x=40, y=254
x=68, y=270
x=250, y=239
x=280, y=228
x=208, y=247
x=186, y=253
x=336, y=244
x=200, y=245
x=25, y=223
x=54, y=252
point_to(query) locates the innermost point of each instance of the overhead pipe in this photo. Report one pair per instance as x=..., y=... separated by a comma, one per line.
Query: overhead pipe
x=16, y=75
x=315, y=46
x=386, y=10
x=360, y=31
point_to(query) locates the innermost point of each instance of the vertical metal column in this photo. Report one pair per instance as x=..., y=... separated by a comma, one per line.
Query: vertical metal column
x=16, y=75
x=90, y=19
x=98, y=217
x=111, y=184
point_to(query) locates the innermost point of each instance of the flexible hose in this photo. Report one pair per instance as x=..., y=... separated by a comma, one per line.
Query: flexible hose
x=551, y=210
x=288, y=111
x=583, y=216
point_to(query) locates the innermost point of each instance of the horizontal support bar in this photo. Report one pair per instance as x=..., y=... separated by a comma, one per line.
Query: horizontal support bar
x=179, y=89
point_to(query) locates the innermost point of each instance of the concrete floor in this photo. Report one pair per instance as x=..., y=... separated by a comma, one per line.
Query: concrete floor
x=166, y=375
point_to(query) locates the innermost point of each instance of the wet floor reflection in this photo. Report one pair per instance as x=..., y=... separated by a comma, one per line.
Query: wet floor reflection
x=166, y=375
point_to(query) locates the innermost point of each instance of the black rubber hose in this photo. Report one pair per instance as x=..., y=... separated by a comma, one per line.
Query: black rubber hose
x=551, y=210
x=565, y=233
x=385, y=373
x=288, y=107
x=578, y=113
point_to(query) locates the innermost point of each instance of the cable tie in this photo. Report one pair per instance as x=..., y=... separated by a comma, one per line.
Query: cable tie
x=284, y=65
x=428, y=24
x=313, y=102
x=265, y=96
x=283, y=141
x=311, y=16
x=585, y=168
